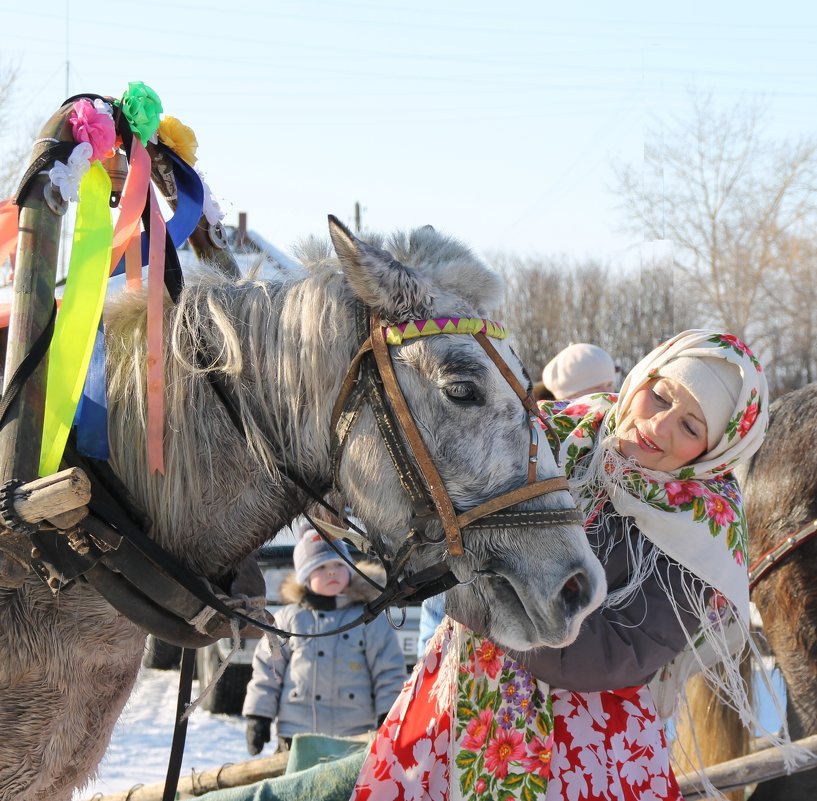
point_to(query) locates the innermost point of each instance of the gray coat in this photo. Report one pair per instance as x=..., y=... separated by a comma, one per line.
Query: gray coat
x=337, y=685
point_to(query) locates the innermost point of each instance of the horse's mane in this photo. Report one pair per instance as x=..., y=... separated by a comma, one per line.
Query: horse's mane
x=280, y=345
x=254, y=333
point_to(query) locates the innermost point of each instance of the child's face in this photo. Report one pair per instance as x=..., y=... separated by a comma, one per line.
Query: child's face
x=331, y=578
x=664, y=428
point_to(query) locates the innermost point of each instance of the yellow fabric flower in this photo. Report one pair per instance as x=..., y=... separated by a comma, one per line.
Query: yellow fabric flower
x=179, y=138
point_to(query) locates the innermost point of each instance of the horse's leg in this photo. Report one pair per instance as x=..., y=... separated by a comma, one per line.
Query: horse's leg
x=69, y=666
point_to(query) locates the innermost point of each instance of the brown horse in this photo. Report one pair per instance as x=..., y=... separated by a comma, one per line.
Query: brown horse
x=780, y=492
x=781, y=497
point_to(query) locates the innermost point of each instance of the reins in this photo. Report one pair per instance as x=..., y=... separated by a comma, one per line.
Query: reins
x=780, y=552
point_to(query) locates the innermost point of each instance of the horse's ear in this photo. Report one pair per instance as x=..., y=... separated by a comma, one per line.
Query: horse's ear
x=393, y=290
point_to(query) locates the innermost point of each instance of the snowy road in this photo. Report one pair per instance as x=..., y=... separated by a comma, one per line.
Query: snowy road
x=140, y=745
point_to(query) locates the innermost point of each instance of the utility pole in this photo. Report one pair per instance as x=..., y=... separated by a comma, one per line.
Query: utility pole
x=357, y=217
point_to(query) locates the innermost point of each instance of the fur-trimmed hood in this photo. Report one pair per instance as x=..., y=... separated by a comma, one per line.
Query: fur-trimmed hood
x=358, y=591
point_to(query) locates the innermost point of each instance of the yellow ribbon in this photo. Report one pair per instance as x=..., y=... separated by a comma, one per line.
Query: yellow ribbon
x=79, y=314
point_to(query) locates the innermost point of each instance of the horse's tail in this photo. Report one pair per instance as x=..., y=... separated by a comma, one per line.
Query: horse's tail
x=708, y=731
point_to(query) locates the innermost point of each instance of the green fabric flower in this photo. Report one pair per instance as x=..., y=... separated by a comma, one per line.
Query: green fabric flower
x=141, y=107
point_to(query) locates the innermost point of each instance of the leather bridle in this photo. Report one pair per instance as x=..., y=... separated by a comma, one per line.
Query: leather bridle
x=371, y=379
x=780, y=552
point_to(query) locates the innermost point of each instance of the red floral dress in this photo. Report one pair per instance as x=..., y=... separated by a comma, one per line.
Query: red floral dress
x=505, y=736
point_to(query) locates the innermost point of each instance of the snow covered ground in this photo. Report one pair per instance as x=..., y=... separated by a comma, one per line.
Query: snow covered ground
x=140, y=745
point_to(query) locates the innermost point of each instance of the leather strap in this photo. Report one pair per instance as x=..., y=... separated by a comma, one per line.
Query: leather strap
x=774, y=556
x=434, y=482
x=520, y=494
x=174, y=762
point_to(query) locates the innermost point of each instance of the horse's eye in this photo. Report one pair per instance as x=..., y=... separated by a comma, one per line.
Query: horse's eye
x=463, y=392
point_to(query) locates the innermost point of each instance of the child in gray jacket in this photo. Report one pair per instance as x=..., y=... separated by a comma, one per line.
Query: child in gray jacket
x=342, y=684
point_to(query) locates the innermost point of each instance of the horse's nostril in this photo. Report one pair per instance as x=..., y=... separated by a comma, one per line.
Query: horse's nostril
x=575, y=594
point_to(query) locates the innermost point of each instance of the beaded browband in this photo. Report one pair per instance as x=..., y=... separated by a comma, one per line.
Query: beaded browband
x=396, y=334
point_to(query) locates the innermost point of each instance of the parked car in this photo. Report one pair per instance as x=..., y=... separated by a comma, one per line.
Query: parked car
x=227, y=696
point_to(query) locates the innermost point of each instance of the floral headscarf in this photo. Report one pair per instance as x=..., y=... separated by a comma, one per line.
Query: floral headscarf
x=694, y=514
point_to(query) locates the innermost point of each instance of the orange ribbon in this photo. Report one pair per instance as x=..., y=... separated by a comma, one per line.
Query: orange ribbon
x=155, y=360
x=133, y=264
x=132, y=202
x=8, y=229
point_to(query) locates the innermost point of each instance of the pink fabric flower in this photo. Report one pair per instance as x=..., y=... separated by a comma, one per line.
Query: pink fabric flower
x=718, y=509
x=679, y=492
x=737, y=343
x=748, y=419
x=480, y=786
x=537, y=760
x=488, y=656
x=577, y=410
x=477, y=730
x=508, y=745
x=89, y=124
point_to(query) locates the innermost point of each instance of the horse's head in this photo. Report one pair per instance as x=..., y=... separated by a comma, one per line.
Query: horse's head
x=530, y=579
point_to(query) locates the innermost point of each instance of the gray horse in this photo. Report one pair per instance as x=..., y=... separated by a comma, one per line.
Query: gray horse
x=283, y=347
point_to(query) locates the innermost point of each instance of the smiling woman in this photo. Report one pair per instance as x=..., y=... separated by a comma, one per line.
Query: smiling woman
x=681, y=413
x=667, y=413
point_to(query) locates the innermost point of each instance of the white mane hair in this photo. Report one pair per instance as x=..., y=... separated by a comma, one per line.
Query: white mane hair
x=256, y=334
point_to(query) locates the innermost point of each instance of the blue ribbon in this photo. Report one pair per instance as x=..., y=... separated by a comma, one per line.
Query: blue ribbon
x=91, y=417
x=189, y=207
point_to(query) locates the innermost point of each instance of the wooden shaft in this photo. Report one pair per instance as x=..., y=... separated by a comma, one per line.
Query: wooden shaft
x=32, y=300
x=203, y=247
x=220, y=778
x=52, y=495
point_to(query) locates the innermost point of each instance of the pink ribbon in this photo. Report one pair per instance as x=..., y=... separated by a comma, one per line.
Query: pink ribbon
x=132, y=202
x=133, y=264
x=155, y=361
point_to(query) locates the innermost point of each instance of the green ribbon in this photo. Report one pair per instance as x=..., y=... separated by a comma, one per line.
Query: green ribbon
x=79, y=314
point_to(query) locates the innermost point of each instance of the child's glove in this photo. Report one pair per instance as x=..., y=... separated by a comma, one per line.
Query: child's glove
x=258, y=733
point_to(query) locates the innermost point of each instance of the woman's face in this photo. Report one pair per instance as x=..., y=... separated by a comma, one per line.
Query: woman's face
x=664, y=428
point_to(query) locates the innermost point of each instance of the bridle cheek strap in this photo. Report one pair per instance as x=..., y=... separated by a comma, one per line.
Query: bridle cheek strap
x=453, y=523
x=531, y=407
x=433, y=480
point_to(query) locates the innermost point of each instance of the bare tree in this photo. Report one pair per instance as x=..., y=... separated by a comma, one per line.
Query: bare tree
x=15, y=155
x=790, y=302
x=551, y=303
x=730, y=201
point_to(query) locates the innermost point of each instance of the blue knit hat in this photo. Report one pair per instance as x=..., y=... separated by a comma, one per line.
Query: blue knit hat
x=312, y=551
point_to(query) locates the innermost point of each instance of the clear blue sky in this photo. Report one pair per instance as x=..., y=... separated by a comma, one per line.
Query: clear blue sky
x=496, y=122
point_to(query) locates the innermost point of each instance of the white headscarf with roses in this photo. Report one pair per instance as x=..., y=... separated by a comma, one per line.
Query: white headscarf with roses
x=694, y=514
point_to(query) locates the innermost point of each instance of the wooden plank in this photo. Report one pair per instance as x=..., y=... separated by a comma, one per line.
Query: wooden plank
x=736, y=773
x=254, y=770
x=52, y=495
